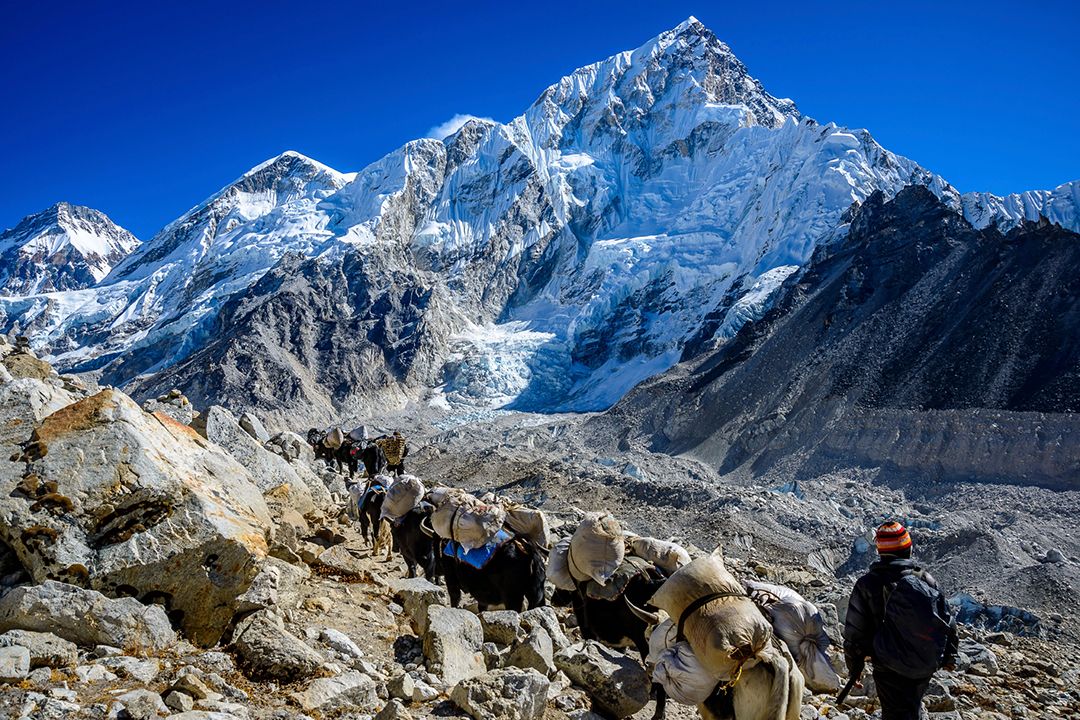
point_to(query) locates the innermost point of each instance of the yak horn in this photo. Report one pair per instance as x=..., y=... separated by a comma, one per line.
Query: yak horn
x=643, y=615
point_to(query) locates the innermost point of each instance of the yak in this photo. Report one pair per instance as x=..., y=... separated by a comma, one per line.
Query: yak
x=514, y=575
x=615, y=621
x=416, y=544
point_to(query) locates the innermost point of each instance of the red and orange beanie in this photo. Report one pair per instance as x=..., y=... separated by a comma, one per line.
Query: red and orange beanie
x=892, y=537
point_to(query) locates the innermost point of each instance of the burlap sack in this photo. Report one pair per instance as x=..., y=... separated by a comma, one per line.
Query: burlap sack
x=557, y=570
x=402, y=495
x=334, y=438
x=466, y=520
x=596, y=548
x=529, y=522
x=667, y=556
x=723, y=632
x=797, y=622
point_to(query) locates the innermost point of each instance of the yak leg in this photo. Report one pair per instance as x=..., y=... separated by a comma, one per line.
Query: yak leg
x=661, y=701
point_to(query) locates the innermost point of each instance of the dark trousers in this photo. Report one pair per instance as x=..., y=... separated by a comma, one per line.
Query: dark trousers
x=398, y=469
x=901, y=697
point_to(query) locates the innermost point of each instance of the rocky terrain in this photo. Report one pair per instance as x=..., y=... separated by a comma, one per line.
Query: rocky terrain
x=161, y=561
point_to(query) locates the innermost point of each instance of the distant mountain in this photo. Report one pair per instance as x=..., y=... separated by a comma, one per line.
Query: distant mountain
x=639, y=212
x=919, y=344
x=66, y=247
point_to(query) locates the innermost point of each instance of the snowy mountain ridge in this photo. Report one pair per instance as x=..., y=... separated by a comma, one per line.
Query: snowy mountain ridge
x=66, y=247
x=651, y=201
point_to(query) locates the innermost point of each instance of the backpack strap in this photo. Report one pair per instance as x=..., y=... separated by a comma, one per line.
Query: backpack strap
x=697, y=605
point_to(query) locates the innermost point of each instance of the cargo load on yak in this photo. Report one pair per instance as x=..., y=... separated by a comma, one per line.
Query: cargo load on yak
x=464, y=519
x=558, y=568
x=797, y=622
x=677, y=668
x=334, y=438
x=715, y=615
x=596, y=548
x=526, y=522
x=358, y=434
x=402, y=495
x=666, y=555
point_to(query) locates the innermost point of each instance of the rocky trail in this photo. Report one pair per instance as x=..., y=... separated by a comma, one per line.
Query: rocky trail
x=163, y=562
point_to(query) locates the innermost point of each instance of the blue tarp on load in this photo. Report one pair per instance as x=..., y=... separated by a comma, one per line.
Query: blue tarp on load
x=479, y=557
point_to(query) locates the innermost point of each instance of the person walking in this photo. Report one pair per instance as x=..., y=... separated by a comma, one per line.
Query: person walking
x=396, y=450
x=899, y=620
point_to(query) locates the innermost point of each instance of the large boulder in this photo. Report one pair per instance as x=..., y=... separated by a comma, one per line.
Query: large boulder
x=24, y=404
x=416, y=595
x=85, y=617
x=506, y=694
x=614, y=682
x=353, y=691
x=14, y=664
x=272, y=473
x=128, y=503
x=267, y=651
x=46, y=649
x=253, y=426
x=452, y=643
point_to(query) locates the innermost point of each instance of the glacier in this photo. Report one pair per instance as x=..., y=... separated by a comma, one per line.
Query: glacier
x=651, y=200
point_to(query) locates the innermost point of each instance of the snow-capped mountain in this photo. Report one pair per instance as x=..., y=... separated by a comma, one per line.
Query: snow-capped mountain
x=643, y=205
x=66, y=247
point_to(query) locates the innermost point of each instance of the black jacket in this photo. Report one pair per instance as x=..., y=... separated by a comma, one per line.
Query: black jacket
x=866, y=610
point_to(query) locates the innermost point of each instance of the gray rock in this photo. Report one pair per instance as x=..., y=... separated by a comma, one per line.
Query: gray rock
x=976, y=659
x=88, y=674
x=535, y=651
x=179, y=409
x=292, y=447
x=85, y=617
x=143, y=705
x=24, y=403
x=502, y=627
x=14, y=664
x=546, y=618
x=154, y=507
x=505, y=694
x=266, y=651
x=615, y=683
x=253, y=426
x=203, y=715
x=353, y=690
x=452, y=644
x=178, y=701
x=1054, y=555
x=416, y=595
x=144, y=670
x=401, y=687
x=341, y=642
x=393, y=710
x=46, y=649
x=270, y=472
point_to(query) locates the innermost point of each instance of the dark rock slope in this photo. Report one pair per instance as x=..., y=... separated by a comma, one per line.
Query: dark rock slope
x=918, y=344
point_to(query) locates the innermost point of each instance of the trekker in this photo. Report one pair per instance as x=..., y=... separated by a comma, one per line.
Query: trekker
x=396, y=450
x=899, y=619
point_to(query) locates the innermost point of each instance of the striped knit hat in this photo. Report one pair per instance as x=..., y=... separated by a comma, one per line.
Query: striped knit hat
x=892, y=537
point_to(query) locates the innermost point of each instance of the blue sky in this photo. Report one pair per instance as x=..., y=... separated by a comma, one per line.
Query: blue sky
x=144, y=109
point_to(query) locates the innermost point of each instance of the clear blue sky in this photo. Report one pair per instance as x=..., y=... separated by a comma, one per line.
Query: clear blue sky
x=143, y=109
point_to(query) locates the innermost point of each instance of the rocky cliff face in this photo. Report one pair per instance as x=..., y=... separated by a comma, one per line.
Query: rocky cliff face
x=641, y=210
x=917, y=343
x=67, y=247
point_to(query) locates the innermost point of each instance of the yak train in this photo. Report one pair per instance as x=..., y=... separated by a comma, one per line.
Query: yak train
x=733, y=649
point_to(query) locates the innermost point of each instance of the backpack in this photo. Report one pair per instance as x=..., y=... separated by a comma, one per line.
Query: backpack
x=914, y=631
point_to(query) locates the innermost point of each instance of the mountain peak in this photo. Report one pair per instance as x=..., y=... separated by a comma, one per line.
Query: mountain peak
x=64, y=247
